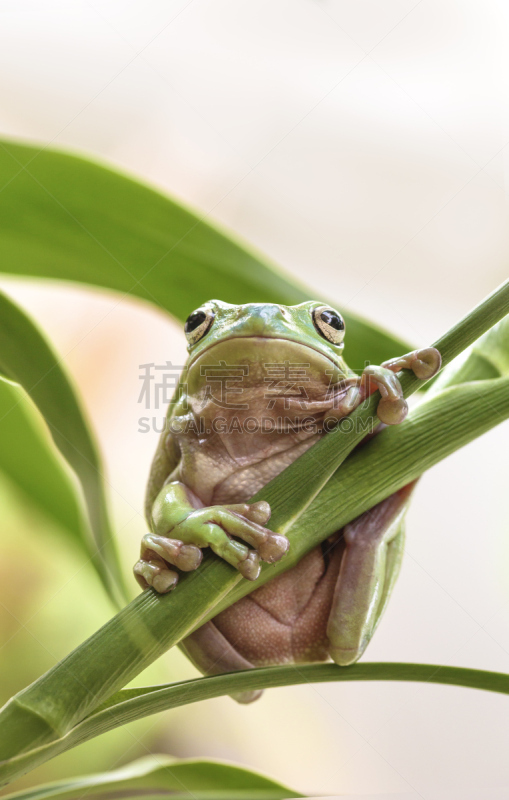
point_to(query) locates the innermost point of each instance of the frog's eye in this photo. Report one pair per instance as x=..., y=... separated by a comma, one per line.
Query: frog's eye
x=197, y=324
x=329, y=324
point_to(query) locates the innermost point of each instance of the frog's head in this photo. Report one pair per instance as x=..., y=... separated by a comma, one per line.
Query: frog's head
x=311, y=325
x=260, y=333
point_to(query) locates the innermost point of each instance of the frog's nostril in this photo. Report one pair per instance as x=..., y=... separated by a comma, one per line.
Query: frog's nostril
x=261, y=318
x=284, y=312
x=270, y=317
x=272, y=312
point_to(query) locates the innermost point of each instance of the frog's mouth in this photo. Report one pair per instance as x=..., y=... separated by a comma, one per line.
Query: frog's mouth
x=281, y=370
x=249, y=348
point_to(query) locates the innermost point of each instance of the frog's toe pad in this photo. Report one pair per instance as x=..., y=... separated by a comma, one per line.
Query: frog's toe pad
x=165, y=581
x=183, y=556
x=344, y=657
x=427, y=363
x=247, y=697
x=392, y=411
x=273, y=548
x=189, y=558
x=259, y=512
x=250, y=567
x=153, y=573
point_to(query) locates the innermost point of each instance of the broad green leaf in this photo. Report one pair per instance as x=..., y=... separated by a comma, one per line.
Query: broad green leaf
x=157, y=775
x=55, y=704
x=68, y=218
x=27, y=359
x=30, y=461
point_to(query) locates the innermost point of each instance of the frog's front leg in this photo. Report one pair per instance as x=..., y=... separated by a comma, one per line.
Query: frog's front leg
x=369, y=568
x=182, y=526
x=392, y=407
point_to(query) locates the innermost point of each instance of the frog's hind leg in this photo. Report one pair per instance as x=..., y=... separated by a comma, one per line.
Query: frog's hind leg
x=213, y=654
x=373, y=551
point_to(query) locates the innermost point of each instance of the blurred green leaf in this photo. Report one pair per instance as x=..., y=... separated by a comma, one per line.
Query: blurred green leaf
x=157, y=775
x=29, y=459
x=27, y=359
x=68, y=218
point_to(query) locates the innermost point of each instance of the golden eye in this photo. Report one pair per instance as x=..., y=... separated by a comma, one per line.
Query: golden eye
x=329, y=324
x=197, y=324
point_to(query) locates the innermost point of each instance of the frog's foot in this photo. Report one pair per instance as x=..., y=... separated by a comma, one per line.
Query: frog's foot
x=269, y=546
x=392, y=408
x=184, y=556
x=423, y=363
x=214, y=527
x=158, y=554
x=154, y=572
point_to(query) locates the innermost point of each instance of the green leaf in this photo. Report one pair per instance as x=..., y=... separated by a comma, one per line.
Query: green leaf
x=156, y=775
x=27, y=359
x=129, y=705
x=68, y=218
x=41, y=476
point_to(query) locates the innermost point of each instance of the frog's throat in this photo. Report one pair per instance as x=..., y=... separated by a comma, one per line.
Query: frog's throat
x=337, y=364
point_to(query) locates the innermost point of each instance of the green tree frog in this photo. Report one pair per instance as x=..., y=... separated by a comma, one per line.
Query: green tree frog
x=263, y=382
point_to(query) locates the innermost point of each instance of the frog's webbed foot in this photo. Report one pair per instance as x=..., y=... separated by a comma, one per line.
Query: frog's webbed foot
x=392, y=407
x=424, y=363
x=369, y=568
x=182, y=528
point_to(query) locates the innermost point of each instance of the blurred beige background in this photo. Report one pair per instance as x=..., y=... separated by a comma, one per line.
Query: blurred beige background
x=364, y=146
